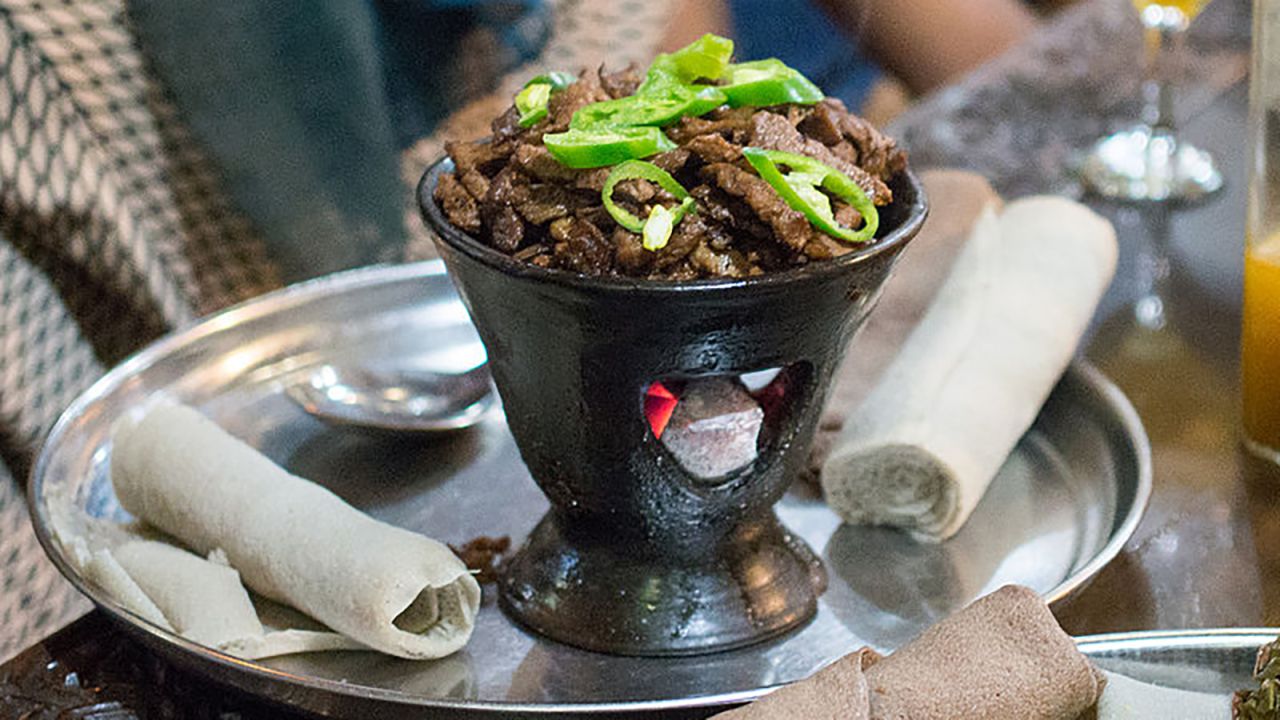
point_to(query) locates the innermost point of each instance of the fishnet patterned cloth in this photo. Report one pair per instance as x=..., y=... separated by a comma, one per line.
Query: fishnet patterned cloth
x=34, y=599
x=44, y=364
x=115, y=228
x=206, y=252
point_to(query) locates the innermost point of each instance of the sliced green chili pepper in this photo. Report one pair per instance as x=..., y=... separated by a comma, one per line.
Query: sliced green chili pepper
x=577, y=148
x=767, y=82
x=532, y=103
x=662, y=106
x=657, y=228
x=532, y=100
x=640, y=170
x=800, y=190
x=704, y=58
x=668, y=92
x=557, y=79
x=611, y=131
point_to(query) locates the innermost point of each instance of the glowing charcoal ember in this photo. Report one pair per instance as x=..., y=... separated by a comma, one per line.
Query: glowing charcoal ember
x=714, y=428
x=659, y=403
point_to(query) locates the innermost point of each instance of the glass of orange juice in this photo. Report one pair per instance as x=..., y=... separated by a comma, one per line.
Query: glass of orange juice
x=1260, y=352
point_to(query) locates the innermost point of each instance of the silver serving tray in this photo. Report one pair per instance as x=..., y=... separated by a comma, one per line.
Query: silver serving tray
x=1212, y=661
x=1062, y=507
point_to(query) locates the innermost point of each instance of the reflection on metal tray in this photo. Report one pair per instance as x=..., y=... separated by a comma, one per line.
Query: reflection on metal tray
x=1063, y=505
x=1212, y=661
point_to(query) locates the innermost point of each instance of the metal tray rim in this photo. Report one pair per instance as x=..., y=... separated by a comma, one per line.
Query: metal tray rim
x=1114, y=398
x=1211, y=638
x=300, y=293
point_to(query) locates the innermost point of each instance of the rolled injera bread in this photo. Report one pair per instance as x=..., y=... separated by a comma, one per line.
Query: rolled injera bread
x=1127, y=699
x=1003, y=657
x=922, y=447
x=836, y=692
x=204, y=597
x=291, y=540
x=103, y=570
x=202, y=601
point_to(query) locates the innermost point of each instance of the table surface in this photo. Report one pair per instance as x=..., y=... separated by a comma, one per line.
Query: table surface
x=1167, y=333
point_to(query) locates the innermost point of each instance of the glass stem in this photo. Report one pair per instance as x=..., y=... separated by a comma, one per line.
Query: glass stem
x=1163, y=28
x=1153, y=270
x=1164, y=85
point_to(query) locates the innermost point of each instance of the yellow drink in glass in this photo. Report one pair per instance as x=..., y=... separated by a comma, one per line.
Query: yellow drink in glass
x=1260, y=354
x=1189, y=8
x=1260, y=334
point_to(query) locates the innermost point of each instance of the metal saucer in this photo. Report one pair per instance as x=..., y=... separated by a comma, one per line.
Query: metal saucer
x=377, y=399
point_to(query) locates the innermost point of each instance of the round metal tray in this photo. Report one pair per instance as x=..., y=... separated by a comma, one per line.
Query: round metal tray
x=1063, y=505
x=1210, y=661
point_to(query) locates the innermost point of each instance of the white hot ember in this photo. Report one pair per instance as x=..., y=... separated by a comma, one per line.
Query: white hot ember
x=714, y=428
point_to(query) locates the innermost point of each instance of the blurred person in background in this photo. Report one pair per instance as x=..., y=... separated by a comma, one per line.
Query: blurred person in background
x=847, y=46
x=305, y=107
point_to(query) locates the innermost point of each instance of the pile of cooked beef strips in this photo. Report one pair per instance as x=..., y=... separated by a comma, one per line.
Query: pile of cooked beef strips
x=514, y=196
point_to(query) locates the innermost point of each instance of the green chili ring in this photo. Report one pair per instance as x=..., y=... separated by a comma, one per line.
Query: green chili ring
x=837, y=183
x=532, y=103
x=532, y=99
x=641, y=170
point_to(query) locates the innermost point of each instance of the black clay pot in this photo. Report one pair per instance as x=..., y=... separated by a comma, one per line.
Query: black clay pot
x=636, y=556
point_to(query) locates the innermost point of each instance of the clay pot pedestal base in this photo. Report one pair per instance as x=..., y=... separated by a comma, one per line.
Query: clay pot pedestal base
x=599, y=594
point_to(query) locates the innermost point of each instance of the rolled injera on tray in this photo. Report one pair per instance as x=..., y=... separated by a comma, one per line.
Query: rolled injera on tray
x=291, y=540
x=103, y=570
x=1001, y=658
x=202, y=600
x=836, y=692
x=1004, y=657
x=921, y=449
